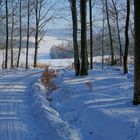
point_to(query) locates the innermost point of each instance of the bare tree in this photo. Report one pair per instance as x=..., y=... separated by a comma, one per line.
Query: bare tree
x=84, y=58
x=7, y=34
x=12, y=33
x=118, y=28
x=42, y=18
x=136, y=99
x=28, y=30
x=75, y=42
x=103, y=32
x=20, y=31
x=91, y=34
x=125, y=58
x=110, y=33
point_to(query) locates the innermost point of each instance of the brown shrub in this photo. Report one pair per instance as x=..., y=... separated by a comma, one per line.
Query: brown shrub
x=47, y=77
x=42, y=66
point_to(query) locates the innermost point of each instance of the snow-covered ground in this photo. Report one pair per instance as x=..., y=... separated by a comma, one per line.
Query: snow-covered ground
x=43, y=52
x=25, y=114
x=18, y=120
x=98, y=106
x=94, y=107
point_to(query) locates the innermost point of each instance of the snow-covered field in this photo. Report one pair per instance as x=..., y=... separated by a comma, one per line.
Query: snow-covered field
x=43, y=53
x=94, y=107
x=98, y=106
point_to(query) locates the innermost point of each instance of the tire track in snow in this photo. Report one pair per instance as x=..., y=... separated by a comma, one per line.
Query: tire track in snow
x=16, y=119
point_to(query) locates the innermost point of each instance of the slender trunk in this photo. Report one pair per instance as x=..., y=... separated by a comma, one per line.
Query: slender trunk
x=7, y=35
x=118, y=30
x=84, y=58
x=20, y=36
x=12, y=35
x=91, y=35
x=110, y=34
x=136, y=99
x=125, y=58
x=119, y=38
x=103, y=37
x=75, y=42
x=36, y=34
x=28, y=34
x=132, y=30
x=36, y=48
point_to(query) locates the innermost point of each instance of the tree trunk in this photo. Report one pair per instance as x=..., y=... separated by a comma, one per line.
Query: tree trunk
x=36, y=49
x=7, y=35
x=110, y=34
x=136, y=99
x=75, y=43
x=36, y=34
x=84, y=58
x=118, y=30
x=103, y=35
x=28, y=34
x=12, y=35
x=20, y=36
x=125, y=58
x=91, y=35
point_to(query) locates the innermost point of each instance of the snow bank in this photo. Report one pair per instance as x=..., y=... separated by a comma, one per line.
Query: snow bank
x=56, y=128
x=103, y=112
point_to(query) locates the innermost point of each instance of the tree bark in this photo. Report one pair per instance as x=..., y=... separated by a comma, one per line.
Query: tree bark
x=75, y=42
x=7, y=35
x=12, y=35
x=103, y=32
x=118, y=30
x=136, y=99
x=36, y=34
x=84, y=58
x=125, y=58
x=110, y=33
x=20, y=31
x=91, y=35
x=28, y=34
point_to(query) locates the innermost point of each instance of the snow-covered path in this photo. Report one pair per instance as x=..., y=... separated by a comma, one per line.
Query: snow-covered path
x=17, y=118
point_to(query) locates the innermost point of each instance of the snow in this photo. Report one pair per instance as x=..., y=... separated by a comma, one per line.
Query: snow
x=15, y=104
x=103, y=112
x=94, y=107
x=56, y=127
x=43, y=52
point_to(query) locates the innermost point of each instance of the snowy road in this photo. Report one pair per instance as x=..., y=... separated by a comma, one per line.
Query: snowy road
x=17, y=117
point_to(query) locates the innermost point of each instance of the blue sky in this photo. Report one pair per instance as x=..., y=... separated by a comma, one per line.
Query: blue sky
x=63, y=14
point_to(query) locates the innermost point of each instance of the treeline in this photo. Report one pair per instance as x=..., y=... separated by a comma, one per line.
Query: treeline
x=110, y=9
x=112, y=21
x=23, y=18
x=65, y=50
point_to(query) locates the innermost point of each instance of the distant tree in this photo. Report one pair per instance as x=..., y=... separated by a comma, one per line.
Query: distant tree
x=75, y=42
x=110, y=33
x=12, y=32
x=44, y=12
x=84, y=57
x=103, y=32
x=125, y=58
x=91, y=33
x=28, y=30
x=118, y=28
x=136, y=99
x=20, y=31
x=7, y=34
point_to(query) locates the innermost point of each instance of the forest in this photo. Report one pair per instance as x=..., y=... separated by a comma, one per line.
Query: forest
x=69, y=69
